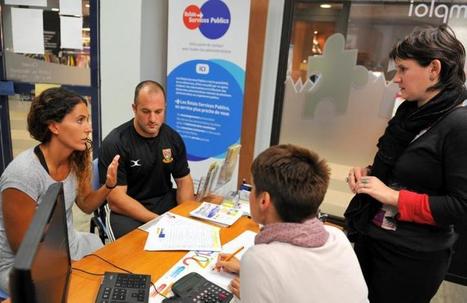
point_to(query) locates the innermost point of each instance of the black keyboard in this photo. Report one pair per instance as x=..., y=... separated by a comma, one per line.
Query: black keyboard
x=120, y=287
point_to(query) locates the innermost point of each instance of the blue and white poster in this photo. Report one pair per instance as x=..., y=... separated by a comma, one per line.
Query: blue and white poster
x=207, y=46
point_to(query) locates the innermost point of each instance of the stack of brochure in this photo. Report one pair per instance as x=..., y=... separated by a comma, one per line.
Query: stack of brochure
x=219, y=214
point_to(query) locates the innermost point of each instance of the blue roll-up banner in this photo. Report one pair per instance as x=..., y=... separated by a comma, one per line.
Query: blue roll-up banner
x=207, y=46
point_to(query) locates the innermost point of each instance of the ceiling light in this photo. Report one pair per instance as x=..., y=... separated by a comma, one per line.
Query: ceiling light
x=325, y=6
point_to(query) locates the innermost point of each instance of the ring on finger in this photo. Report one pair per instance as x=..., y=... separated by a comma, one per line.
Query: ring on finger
x=364, y=181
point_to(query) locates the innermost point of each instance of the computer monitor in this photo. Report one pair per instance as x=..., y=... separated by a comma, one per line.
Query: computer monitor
x=42, y=265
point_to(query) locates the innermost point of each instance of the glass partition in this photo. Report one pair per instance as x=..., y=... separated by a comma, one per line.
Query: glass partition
x=338, y=94
x=45, y=43
x=19, y=105
x=58, y=64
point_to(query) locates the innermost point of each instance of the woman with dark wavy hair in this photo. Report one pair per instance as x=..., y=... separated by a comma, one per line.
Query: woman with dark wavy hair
x=408, y=200
x=59, y=120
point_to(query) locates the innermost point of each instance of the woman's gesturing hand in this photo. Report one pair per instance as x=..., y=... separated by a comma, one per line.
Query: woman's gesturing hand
x=111, y=177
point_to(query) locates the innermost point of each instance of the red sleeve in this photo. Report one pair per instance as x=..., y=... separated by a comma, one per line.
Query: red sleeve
x=414, y=207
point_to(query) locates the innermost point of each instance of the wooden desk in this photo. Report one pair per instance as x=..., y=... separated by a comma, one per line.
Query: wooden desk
x=128, y=252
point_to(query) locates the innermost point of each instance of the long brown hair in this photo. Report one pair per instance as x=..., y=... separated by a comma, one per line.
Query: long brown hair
x=52, y=105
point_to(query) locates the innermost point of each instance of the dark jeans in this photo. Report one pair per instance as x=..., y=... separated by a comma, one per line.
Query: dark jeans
x=121, y=224
x=398, y=274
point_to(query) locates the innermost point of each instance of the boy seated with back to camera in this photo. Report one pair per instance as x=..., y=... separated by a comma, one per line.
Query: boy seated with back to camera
x=296, y=258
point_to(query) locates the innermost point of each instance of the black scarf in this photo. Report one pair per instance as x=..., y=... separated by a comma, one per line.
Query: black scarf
x=408, y=122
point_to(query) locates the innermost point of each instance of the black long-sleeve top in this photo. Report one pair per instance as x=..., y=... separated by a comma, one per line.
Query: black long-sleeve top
x=434, y=164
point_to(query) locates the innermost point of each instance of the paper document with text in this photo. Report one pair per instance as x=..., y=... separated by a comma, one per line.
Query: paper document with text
x=174, y=232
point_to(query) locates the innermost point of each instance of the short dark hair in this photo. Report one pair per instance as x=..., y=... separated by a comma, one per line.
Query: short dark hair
x=295, y=178
x=52, y=105
x=427, y=44
x=153, y=85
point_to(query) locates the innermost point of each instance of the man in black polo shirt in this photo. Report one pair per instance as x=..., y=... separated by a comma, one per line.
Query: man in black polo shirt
x=150, y=153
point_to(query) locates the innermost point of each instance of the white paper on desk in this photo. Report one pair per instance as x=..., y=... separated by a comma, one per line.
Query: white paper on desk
x=174, y=232
x=151, y=225
x=247, y=240
x=27, y=30
x=187, y=264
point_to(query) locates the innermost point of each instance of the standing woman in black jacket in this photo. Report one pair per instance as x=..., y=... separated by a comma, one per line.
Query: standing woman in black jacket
x=407, y=201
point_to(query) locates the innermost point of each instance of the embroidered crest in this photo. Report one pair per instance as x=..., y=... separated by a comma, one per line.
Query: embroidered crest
x=167, y=154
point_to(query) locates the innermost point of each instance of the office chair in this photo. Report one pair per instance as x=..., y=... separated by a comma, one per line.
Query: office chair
x=101, y=216
x=332, y=219
x=3, y=295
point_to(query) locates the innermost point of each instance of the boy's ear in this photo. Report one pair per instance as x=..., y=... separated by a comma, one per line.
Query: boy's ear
x=265, y=201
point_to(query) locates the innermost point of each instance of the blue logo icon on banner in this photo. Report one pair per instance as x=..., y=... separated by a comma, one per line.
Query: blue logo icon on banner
x=212, y=19
x=202, y=68
x=219, y=19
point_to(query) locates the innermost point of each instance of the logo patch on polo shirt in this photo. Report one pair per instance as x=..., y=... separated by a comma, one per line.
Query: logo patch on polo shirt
x=167, y=154
x=135, y=163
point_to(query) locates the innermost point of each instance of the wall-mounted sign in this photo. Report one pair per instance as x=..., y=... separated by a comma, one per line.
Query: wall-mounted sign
x=437, y=10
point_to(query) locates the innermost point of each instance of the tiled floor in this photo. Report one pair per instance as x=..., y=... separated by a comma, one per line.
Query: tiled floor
x=451, y=293
x=448, y=292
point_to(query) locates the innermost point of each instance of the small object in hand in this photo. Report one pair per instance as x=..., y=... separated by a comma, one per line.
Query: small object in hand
x=233, y=254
